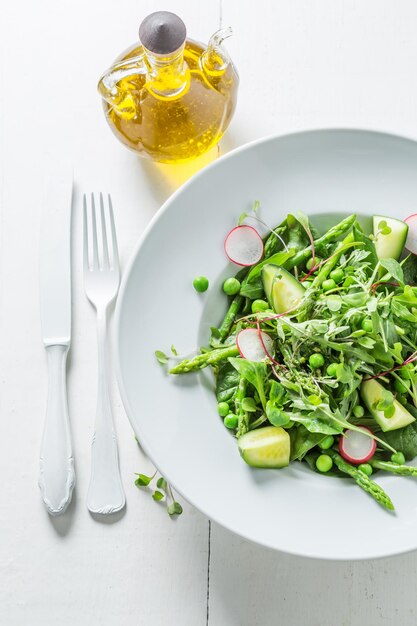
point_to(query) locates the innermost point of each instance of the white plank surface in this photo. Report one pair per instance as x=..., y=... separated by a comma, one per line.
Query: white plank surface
x=302, y=64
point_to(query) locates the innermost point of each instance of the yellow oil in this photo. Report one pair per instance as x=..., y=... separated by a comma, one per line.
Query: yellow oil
x=173, y=117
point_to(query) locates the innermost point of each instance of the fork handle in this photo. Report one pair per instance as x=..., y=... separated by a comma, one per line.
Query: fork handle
x=57, y=476
x=105, y=492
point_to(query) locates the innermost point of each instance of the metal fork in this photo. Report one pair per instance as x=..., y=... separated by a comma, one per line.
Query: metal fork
x=101, y=283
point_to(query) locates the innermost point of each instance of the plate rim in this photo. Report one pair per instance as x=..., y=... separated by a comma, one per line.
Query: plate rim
x=119, y=304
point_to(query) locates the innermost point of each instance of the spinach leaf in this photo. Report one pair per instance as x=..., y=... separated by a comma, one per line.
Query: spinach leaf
x=253, y=290
x=255, y=373
x=409, y=266
x=302, y=441
x=403, y=439
x=227, y=382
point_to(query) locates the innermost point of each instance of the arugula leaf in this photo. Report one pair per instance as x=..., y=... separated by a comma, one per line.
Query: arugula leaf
x=402, y=312
x=276, y=415
x=161, y=357
x=255, y=373
x=316, y=424
x=249, y=405
x=368, y=245
x=393, y=268
x=227, y=382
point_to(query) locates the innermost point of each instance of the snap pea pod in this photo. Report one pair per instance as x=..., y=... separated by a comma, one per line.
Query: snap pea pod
x=387, y=466
x=204, y=360
x=331, y=236
x=362, y=480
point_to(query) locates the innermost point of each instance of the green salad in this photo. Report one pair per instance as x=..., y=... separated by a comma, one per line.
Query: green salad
x=314, y=360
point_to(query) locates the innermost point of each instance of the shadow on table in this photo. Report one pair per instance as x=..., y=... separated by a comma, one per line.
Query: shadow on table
x=252, y=585
x=164, y=178
x=62, y=523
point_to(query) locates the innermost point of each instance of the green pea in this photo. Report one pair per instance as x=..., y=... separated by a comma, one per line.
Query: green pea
x=332, y=369
x=309, y=264
x=398, y=458
x=328, y=284
x=258, y=306
x=402, y=399
x=307, y=283
x=327, y=442
x=337, y=275
x=348, y=281
x=316, y=360
x=367, y=325
x=402, y=386
x=223, y=409
x=406, y=372
x=358, y=411
x=324, y=463
x=231, y=286
x=366, y=468
x=231, y=421
x=200, y=284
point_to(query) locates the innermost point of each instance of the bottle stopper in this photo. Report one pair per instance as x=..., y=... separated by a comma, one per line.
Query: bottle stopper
x=162, y=32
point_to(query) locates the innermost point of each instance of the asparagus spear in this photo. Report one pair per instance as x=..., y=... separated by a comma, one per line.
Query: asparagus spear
x=243, y=423
x=205, y=359
x=362, y=480
x=329, y=237
x=229, y=318
x=273, y=243
x=402, y=470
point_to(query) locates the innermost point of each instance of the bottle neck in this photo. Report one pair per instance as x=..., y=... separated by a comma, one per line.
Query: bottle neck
x=167, y=74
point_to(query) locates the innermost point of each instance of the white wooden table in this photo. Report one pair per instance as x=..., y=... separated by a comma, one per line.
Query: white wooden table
x=302, y=64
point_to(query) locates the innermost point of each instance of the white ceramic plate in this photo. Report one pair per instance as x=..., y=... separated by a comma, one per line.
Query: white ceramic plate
x=325, y=174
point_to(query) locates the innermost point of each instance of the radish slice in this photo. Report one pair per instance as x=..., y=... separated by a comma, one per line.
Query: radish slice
x=244, y=245
x=252, y=347
x=357, y=447
x=411, y=242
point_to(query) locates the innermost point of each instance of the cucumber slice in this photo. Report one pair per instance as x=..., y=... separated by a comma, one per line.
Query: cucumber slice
x=372, y=391
x=268, y=274
x=283, y=291
x=265, y=447
x=390, y=246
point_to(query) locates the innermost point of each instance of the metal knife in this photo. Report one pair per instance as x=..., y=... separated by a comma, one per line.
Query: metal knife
x=57, y=476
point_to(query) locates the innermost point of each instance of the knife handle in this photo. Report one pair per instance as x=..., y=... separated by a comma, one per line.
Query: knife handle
x=57, y=476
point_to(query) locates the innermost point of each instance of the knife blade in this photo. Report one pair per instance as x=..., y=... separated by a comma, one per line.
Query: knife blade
x=57, y=476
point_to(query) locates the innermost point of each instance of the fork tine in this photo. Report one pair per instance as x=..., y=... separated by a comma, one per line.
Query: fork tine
x=94, y=233
x=85, y=235
x=106, y=260
x=113, y=235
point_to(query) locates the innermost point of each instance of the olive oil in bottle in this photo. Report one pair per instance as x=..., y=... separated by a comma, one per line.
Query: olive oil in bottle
x=168, y=97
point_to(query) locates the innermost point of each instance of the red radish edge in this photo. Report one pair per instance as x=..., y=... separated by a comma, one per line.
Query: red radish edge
x=411, y=241
x=261, y=342
x=270, y=357
x=353, y=460
x=261, y=246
